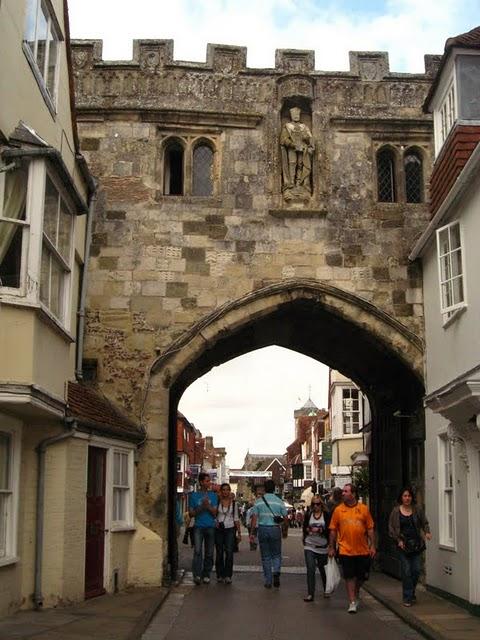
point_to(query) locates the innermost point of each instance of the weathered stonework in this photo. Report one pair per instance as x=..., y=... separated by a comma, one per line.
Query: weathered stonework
x=162, y=263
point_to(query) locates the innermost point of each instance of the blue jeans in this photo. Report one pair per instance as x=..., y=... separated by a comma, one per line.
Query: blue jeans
x=201, y=566
x=411, y=565
x=270, y=541
x=224, y=539
x=314, y=560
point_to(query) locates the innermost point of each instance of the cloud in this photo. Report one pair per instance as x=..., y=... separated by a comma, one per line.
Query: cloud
x=407, y=29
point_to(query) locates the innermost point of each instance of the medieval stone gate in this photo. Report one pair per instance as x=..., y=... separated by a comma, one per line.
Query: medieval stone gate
x=245, y=207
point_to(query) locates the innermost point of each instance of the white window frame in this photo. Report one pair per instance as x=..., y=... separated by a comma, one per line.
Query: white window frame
x=447, y=310
x=66, y=265
x=13, y=430
x=358, y=411
x=25, y=224
x=128, y=489
x=28, y=293
x=41, y=75
x=446, y=113
x=307, y=471
x=446, y=487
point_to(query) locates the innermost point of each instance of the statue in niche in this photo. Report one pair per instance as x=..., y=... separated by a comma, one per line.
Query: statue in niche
x=297, y=149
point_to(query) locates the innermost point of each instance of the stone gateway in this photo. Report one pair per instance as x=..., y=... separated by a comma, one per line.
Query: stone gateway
x=244, y=207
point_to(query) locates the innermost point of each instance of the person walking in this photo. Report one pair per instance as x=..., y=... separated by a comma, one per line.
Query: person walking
x=409, y=527
x=352, y=528
x=227, y=528
x=315, y=544
x=335, y=499
x=267, y=514
x=202, y=505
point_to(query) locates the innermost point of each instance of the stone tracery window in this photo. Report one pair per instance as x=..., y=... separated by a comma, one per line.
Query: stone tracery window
x=189, y=166
x=413, y=170
x=202, y=170
x=386, y=175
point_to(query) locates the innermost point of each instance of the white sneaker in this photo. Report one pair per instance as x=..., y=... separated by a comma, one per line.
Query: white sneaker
x=206, y=580
x=219, y=580
x=352, y=607
x=228, y=581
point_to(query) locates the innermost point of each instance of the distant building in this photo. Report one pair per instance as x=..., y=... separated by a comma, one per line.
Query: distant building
x=349, y=412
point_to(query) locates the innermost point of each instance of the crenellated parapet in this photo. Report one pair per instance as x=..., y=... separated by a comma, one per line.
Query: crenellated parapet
x=153, y=79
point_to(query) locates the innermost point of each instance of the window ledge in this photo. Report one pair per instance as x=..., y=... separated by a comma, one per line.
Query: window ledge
x=456, y=314
x=120, y=528
x=189, y=199
x=4, y=562
x=448, y=547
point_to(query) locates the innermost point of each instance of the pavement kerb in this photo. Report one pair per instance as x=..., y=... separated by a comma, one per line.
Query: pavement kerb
x=405, y=614
x=147, y=616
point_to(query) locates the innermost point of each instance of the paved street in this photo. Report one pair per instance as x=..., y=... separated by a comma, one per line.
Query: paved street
x=247, y=610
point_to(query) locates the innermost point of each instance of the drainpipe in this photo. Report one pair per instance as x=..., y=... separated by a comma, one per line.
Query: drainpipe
x=83, y=286
x=40, y=511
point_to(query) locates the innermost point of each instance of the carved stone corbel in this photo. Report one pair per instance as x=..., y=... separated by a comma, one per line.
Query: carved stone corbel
x=462, y=434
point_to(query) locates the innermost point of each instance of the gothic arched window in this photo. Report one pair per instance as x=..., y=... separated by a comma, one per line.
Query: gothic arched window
x=412, y=164
x=173, y=169
x=202, y=170
x=386, y=175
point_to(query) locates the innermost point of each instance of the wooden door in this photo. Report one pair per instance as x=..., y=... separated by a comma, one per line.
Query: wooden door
x=95, y=533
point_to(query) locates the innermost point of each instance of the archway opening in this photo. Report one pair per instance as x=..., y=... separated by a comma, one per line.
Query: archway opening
x=377, y=364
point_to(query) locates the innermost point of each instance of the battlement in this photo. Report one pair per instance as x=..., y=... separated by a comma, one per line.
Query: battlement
x=153, y=55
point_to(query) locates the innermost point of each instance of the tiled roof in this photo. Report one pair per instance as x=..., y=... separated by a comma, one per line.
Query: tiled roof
x=468, y=40
x=94, y=412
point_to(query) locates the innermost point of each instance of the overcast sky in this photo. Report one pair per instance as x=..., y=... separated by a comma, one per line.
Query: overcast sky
x=249, y=402
x=407, y=29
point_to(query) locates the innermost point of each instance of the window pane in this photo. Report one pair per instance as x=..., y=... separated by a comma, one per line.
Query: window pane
x=52, y=61
x=456, y=257
x=457, y=286
x=202, y=171
x=42, y=32
x=64, y=232
x=11, y=236
x=56, y=289
x=45, y=277
x=443, y=242
x=5, y=452
x=469, y=87
x=50, y=214
x=445, y=272
x=385, y=176
x=4, y=500
x=454, y=236
x=413, y=178
x=124, y=469
x=15, y=194
x=116, y=468
x=31, y=20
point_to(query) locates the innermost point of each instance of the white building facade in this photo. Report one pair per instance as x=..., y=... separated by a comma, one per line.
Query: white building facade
x=451, y=270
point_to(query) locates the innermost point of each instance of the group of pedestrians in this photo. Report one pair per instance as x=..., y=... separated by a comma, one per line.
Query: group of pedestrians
x=341, y=529
x=217, y=526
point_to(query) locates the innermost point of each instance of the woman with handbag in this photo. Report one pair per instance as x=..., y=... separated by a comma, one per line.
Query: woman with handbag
x=315, y=544
x=409, y=527
x=227, y=530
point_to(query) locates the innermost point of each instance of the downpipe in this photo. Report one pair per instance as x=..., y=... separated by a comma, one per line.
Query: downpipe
x=40, y=508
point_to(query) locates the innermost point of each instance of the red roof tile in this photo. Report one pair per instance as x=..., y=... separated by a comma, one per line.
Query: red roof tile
x=97, y=413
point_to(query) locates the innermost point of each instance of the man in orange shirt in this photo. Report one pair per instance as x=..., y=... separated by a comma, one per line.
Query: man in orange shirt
x=352, y=529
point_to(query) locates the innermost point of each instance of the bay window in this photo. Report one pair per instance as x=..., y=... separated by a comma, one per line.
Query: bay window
x=13, y=226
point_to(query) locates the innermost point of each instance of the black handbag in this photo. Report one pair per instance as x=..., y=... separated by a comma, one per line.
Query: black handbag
x=414, y=545
x=276, y=519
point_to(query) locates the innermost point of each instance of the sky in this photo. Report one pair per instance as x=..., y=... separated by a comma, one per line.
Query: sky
x=248, y=403
x=407, y=29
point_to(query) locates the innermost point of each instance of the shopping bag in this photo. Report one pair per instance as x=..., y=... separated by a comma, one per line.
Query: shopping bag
x=333, y=575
